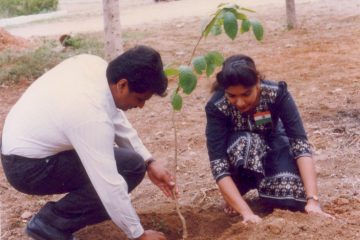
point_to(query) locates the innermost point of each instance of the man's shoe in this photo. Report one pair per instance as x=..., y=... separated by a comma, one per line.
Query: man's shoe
x=39, y=230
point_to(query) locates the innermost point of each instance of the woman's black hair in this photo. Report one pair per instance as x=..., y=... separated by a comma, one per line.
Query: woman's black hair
x=142, y=67
x=237, y=70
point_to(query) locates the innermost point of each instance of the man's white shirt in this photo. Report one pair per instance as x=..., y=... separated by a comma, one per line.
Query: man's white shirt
x=71, y=107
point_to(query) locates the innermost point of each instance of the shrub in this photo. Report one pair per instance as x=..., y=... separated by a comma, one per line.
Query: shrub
x=11, y=8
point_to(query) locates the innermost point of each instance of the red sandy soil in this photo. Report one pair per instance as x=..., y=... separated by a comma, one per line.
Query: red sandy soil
x=8, y=41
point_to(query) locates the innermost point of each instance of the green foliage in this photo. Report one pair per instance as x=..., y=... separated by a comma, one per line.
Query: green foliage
x=214, y=57
x=74, y=42
x=215, y=22
x=11, y=8
x=213, y=60
x=171, y=72
x=187, y=79
x=199, y=64
x=176, y=101
x=226, y=17
x=216, y=30
x=31, y=64
x=257, y=29
x=230, y=24
x=245, y=26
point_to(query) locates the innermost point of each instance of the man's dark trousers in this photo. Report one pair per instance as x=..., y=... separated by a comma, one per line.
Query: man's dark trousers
x=64, y=173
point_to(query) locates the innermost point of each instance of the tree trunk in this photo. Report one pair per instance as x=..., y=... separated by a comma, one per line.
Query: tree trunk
x=291, y=14
x=112, y=29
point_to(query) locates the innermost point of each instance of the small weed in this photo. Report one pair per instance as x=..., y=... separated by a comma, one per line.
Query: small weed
x=73, y=42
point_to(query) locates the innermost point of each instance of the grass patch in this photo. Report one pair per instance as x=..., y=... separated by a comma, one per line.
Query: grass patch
x=12, y=8
x=31, y=64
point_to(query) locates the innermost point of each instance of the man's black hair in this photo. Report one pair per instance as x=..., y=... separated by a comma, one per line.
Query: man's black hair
x=142, y=67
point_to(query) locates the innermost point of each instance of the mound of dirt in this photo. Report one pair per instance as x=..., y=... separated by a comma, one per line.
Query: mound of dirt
x=9, y=41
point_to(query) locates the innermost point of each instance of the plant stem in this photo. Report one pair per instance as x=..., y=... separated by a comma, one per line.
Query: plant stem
x=175, y=141
x=194, y=50
x=183, y=221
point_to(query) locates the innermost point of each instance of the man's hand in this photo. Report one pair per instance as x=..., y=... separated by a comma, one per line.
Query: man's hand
x=152, y=235
x=162, y=178
x=313, y=207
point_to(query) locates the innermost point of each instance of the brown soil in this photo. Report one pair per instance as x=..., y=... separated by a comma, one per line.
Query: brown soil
x=8, y=41
x=320, y=62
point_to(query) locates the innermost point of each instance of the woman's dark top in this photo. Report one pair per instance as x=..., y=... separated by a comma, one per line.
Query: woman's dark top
x=223, y=119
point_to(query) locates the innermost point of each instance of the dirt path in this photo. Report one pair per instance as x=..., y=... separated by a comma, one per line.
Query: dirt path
x=320, y=62
x=86, y=16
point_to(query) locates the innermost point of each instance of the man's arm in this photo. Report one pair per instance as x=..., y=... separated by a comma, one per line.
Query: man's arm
x=126, y=136
x=93, y=141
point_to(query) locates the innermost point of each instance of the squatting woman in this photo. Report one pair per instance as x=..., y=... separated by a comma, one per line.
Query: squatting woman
x=256, y=140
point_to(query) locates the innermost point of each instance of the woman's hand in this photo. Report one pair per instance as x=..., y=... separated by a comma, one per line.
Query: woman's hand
x=251, y=218
x=313, y=207
x=235, y=201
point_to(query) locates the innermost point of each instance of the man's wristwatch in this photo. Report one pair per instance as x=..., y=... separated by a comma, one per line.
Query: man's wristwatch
x=314, y=197
x=148, y=162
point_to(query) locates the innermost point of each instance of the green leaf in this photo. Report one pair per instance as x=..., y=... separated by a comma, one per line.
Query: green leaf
x=216, y=30
x=245, y=26
x=210, y=68
x=214, y=57
x=176, y=101
x=247, y=9
x=230, y=24
x=187, y=79
x=199, y=64
x=171, y=72
x=257, y=29
x=228, y=6
x=212, y=22
x=208, y=27
x=240, y=16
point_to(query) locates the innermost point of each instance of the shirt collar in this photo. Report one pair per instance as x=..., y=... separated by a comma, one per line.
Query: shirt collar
x=112, y=109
